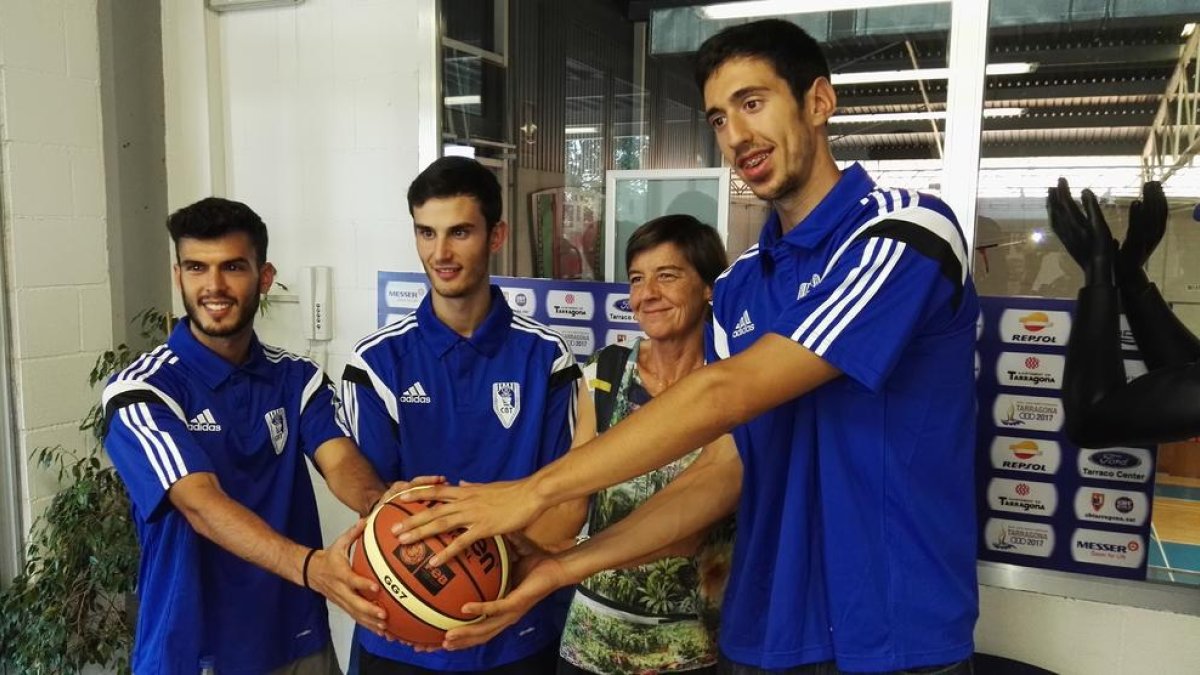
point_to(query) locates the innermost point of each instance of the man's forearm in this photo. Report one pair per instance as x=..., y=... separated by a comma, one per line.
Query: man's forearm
x=237, y=529
x=349, y=475
x=667, y=523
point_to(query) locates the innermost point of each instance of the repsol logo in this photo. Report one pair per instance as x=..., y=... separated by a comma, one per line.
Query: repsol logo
x=1042, y=339
x=1024, y=466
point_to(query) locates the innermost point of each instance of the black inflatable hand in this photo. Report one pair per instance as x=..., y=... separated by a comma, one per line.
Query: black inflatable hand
x=1147, y=224
x=1085, y=236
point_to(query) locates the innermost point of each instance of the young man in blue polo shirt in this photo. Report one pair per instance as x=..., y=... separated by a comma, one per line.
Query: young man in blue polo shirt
x=466, y=389
x=210, y=433
x=846, y=338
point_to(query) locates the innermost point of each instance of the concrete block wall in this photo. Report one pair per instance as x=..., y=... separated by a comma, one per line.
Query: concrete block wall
x=54, y=224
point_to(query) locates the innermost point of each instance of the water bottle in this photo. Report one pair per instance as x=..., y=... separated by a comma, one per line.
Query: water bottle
x=208, y=666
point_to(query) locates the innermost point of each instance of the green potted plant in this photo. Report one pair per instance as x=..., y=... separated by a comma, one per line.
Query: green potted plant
x=72, y=604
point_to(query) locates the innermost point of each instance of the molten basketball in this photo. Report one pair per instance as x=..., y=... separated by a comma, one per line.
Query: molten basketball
x=422, y=603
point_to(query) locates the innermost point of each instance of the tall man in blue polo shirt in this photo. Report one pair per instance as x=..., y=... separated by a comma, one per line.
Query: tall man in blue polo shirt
x=846, y=338
x=210, y=433
x=466, y=389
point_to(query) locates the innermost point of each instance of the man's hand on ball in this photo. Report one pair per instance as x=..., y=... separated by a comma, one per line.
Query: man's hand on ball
x=329, y=574
x=479, y=511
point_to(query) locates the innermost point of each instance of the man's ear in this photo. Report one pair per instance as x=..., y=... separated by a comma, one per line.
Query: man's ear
x=820, y=101
x=175, y=276
x=266, y=277
x=497, y=236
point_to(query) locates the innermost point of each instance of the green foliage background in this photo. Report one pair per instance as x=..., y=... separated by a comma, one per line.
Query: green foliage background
x=70, y=605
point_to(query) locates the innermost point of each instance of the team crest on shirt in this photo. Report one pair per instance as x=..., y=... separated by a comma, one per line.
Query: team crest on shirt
x=277, y=425
x=506, y=402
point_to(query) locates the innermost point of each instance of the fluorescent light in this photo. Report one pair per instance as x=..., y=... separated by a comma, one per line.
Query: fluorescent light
x=756, y=8
x=580, y=131
x=462, y=100
x=926, y=73
x=875, y=118
x=1188, y=29
x=1037, y=236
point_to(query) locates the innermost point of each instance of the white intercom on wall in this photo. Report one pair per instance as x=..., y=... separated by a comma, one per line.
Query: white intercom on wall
x=316, y=302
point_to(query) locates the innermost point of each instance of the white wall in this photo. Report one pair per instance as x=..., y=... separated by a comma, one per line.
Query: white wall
x=309, y=114
x=54, y=225
x=1080, y=637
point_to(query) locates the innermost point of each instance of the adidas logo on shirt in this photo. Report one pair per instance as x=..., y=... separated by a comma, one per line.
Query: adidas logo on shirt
x=415, y=394
x=744, y=325
x=204, y=422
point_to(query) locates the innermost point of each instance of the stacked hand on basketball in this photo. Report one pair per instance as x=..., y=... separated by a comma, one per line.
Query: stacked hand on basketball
x=423, y=601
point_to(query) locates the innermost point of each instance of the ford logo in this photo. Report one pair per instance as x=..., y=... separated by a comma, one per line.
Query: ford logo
x=1115, y=460
x=623, y=305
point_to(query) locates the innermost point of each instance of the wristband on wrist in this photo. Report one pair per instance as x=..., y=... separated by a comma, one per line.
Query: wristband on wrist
x=304, y=570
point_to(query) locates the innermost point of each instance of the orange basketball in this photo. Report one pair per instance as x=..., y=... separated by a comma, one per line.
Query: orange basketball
x=422, y=603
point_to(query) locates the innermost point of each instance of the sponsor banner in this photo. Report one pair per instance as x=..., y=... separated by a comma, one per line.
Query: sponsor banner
x=618, y=309
x=1114, y=507
x=1130, y=465
x=1010, y=453
x=1026, y=464
x=622, y=337
x=521, y=300
x=1034, y=413
x=547, y=301
x=1035, y=327
x=581, y=340
x=1116, y=549
x=574, y=305
x=1031, y=498
x=1039, y=371
x=404, y=294
x=1016, y=537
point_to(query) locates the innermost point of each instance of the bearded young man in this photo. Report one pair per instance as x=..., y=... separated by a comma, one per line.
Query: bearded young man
x=211, y=434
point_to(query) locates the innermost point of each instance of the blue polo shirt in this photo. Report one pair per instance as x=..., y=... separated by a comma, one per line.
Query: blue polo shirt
x=182, y=409
x=856, y=525
x=423, y=400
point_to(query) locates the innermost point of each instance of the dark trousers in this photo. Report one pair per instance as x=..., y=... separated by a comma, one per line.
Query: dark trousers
x=727, y=667
x=542, y=663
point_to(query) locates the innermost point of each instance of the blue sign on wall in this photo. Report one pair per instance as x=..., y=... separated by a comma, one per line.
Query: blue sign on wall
x=588, y=314
x=1043, y=501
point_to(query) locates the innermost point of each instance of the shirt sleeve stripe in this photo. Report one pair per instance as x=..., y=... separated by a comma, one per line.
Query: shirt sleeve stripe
x=139, y=416
x=115, y=389
x=868, y=255
x=376, y=384
x=123, y=413
x=311, y=388
x=338, y=410
x=172, y=453
x=865, y=298
x=720, y=339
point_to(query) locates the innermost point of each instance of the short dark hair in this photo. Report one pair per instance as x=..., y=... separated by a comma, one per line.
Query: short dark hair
x=458, y=177
x=699, y=243
x=792, y=52
x=214, y=217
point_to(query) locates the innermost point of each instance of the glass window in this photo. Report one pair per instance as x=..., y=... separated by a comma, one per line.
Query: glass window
x=1101, y=95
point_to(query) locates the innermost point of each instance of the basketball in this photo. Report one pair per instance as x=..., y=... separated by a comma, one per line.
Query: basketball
x=421, y=602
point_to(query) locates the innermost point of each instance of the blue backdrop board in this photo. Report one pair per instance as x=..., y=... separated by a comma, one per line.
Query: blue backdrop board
x=588, y=314
x=1044, y=502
